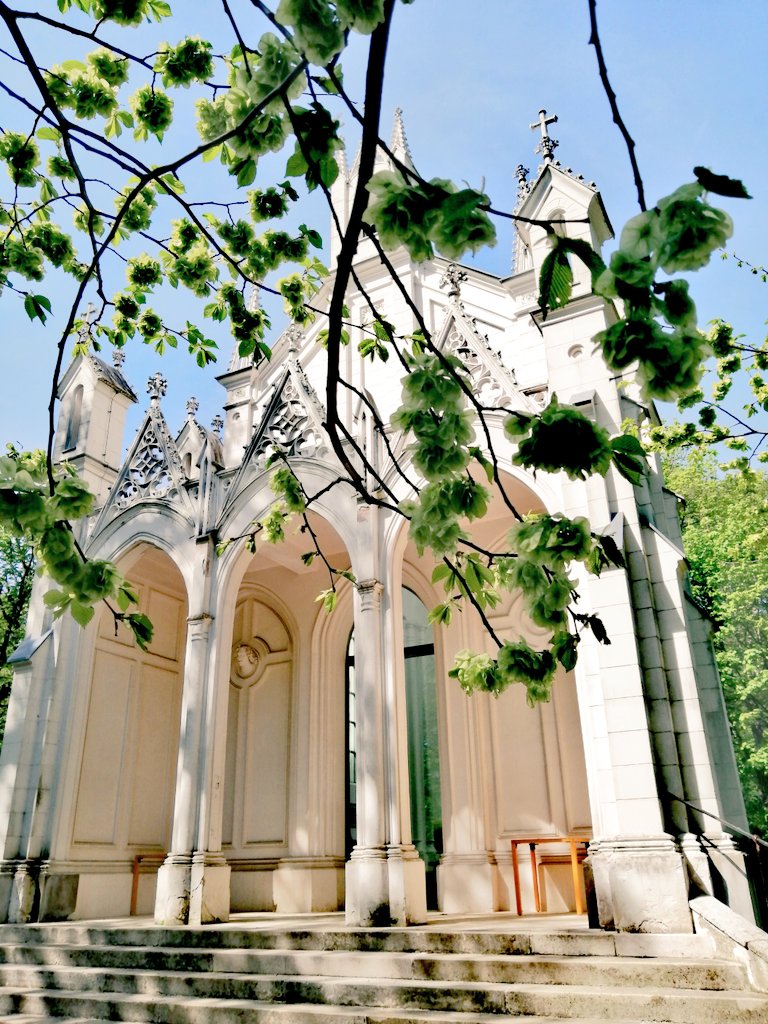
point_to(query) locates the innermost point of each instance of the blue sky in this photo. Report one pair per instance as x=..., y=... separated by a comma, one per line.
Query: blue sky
x=690, y=79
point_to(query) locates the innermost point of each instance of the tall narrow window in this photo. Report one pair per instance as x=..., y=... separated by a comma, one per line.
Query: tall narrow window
x=423, y=754
x=73, y=423
x=351, y=767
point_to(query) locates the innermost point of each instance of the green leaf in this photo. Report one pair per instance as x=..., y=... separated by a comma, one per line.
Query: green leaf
x=628, y=456
x=581, y=248
x=81, y=613
x=629, y=444
x=555, y=281
x=246, y=172
x=328, y=598
x=612, y=551
x=296, y=165
x=142, y=629
x=721, y=184
x=51, y=134
x=37, y=307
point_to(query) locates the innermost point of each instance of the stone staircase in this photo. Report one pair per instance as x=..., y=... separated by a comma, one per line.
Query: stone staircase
x=268, y=975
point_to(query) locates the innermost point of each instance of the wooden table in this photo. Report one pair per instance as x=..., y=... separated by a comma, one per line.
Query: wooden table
x=154, y=858
x=533, y=842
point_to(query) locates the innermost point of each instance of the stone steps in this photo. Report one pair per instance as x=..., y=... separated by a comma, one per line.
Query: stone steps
x=84, y=973
x=579, y=942
x=22, y=964
x=527, y=1004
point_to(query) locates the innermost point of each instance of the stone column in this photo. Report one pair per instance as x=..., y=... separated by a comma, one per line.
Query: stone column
x=638, y=876
x=193, y=883
x=467, y=875
x=32, y=765
x=385, y=879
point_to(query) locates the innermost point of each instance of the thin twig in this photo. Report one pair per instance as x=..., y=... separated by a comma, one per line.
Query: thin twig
x=594, y=40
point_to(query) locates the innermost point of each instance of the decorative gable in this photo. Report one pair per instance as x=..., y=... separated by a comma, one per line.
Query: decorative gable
x=153, y=469
x=292, y=423
x=493, y=382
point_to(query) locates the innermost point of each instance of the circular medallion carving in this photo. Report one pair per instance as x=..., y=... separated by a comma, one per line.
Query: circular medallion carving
x=248, y=660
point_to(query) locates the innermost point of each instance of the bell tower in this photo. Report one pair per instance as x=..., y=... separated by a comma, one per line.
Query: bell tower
x=95, y=398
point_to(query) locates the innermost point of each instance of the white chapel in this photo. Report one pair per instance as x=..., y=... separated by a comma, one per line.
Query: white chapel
x=263, y=755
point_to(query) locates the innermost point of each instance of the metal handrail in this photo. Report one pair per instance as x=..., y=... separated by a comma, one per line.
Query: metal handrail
x=735, y=828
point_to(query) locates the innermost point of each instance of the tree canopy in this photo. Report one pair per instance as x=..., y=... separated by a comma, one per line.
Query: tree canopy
x=98, y=196
x=725, y=529
x=17, y=566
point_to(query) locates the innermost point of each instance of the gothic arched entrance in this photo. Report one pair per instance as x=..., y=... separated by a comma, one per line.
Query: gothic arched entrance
x=128, y=737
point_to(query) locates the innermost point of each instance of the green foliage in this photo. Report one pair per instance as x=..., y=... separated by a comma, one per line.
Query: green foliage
x=680, y=233
x=21, y=157
x=17, y=566
x=190, y=61
x=725, y=529
x=317, y=29
x=516, y=663
x=31, y=509
x=561, y=438
x=316, y=142
x=258, y=100
x=286, y=485
x=428, y=214
x=153, y=111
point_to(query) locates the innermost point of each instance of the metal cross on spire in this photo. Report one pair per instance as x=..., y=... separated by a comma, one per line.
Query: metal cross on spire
x=547, y=145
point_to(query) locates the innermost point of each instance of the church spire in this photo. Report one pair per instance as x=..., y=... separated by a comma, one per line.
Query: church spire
x=399, y=141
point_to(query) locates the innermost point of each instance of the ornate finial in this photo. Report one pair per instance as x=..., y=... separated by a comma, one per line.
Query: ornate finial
x=452, y=280
x=399, y=140
x=84, y=334
x=547, y=145
x=118, y=358
x=523, y=185
x=253, y=302
x=157, y=387
x=293, y=335
x=217, y=424
x=192, y=406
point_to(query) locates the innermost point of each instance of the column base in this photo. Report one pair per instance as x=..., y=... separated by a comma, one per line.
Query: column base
x=172, y=894
x=7, y=872
x=305, y=885
x=730, y=881
x=638, y=884
x=209, y=889
x=192, y=890
x=385, y=886
x=469, y=883
x=24, y=894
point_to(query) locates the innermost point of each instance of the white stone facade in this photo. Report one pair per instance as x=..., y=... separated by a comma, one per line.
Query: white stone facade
x=226, y=755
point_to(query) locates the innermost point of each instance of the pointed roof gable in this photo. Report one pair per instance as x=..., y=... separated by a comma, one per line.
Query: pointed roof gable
x=292, y=421
x=152, y=470
x=102, y=371
x=493, y=383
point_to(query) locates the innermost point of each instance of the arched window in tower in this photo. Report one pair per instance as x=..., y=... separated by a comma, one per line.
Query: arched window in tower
x=559, y=228
x=75, y=417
